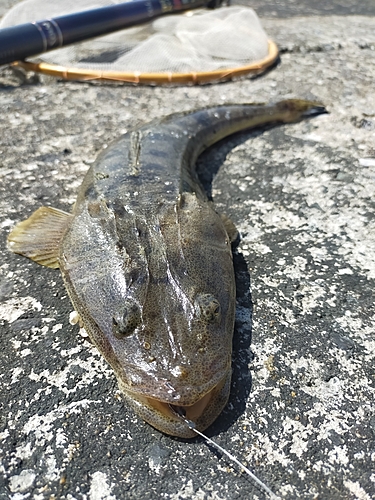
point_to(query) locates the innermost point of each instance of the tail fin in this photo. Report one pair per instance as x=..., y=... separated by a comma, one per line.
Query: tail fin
x=299, y=108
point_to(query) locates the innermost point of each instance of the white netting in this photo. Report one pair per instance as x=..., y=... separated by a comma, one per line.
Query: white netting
x=202, y=40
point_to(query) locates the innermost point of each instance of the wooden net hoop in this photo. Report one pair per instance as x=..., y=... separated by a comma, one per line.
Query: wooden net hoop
x=153, y=78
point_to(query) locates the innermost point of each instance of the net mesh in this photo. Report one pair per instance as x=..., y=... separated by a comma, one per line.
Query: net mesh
x=196, y=41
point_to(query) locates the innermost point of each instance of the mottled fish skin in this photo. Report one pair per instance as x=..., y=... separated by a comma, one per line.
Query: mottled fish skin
x=148, y=266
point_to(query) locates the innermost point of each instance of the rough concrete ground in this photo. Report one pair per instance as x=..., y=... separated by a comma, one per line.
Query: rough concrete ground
x=301, y=413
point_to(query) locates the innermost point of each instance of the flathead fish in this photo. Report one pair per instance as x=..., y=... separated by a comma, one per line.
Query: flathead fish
x=147, y=262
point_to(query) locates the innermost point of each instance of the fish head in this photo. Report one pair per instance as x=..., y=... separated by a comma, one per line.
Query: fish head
x=157, y=297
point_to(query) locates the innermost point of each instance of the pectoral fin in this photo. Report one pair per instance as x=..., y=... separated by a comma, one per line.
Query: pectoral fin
x=229, y=227
x=39, y=236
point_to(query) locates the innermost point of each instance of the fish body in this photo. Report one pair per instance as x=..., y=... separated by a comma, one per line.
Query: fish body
x=147, y=263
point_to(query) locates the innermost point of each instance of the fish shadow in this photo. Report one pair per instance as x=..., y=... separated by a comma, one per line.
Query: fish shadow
x=241, y=355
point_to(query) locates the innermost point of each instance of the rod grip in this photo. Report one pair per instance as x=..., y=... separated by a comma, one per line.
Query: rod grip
x=18, y=42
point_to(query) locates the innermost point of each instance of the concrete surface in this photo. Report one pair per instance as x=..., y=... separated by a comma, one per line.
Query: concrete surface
x=302, y=413
x=290, y=8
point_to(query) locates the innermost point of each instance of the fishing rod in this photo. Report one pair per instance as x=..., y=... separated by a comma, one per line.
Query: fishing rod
x=29, y=39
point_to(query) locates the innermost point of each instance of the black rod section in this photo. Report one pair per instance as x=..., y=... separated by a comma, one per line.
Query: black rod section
x=30, y=39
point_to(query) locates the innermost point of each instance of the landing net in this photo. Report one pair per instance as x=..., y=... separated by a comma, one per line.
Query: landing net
x=197, y=46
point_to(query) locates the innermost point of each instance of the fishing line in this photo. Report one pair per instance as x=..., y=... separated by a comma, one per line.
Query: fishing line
x=178, y=412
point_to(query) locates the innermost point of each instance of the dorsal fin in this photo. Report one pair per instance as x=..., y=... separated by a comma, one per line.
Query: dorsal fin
x=39, y=236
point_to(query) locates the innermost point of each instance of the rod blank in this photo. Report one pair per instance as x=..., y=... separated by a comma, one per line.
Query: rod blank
x=26, y=40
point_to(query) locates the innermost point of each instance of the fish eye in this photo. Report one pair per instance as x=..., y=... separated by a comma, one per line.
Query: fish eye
x=126, y=320
x=208, y=308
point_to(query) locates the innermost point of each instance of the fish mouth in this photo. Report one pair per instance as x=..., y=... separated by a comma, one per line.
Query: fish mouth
x=171, y=419
x=191, y=412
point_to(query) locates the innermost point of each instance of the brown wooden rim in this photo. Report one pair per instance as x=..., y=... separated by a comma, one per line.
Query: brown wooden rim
x=153, y=78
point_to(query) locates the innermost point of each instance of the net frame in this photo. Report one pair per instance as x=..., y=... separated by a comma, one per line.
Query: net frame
x=134, y=77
